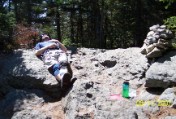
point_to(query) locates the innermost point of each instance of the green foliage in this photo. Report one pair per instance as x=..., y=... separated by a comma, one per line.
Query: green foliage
x=171, y=24
x=60, y=1
x=48, y=29
x=87, y=23
x=174, y=44
x=7, y=22
x=37, y=9
x=66, y=1
x=169, y=2
x=171, y=21
x=66, y=41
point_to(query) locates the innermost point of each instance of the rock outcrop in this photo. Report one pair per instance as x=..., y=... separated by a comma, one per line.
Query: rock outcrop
x=27, y=90
x=162, y=72
x=23, y=70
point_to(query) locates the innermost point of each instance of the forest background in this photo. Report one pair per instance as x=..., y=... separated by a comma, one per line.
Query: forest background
x=106, y=24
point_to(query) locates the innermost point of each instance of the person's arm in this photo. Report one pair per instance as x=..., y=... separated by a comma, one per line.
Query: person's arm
x=62, y=47
x=41, y=50
x=60, y=44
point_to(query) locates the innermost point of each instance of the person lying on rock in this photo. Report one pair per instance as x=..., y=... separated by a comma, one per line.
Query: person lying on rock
x=53, y=54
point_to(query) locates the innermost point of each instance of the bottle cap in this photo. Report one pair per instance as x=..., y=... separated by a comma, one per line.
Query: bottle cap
x=127, y=80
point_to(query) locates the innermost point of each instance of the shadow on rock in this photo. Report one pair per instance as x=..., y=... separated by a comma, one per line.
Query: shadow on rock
x=66, y=90
x=167, y=57
x=19, y=100
x=156, y=91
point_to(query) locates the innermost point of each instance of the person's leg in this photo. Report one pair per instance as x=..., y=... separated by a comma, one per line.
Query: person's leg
x=64, y=75
x=61, y=74
x=70, y=69
x=56, y=71
x=65, y=70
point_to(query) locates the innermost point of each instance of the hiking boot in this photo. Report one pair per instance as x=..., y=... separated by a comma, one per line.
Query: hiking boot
x=65, y=80
x=65, y=75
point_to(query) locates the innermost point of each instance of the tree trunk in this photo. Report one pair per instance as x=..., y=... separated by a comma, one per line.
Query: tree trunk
x=16, y=10
x=29, y=10
x=72, y=27
x=9, y=7
x=138, y=38
x=102, y=38
x=58, y=23
x=80, y=24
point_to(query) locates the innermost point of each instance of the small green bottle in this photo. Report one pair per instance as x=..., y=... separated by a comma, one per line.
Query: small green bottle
x=125, y=91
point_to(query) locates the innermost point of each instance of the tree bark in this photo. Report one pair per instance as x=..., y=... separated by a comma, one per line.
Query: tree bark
x=16, y=10
x=9, y=7
x=138, y=38
x=58, y=23
x=72, y=27
x=80, y=23
x=29, y=10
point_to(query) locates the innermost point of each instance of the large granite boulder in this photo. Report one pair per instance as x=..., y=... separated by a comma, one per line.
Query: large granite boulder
x=113, y=65
x=27, y=90
x=29, y=104
x=162, y=72
x=23, y=69
x=101, y=74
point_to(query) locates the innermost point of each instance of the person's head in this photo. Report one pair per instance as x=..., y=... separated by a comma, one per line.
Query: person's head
x=45, y=37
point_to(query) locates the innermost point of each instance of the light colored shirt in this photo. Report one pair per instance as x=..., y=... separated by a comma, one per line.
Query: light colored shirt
x=44, y=44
